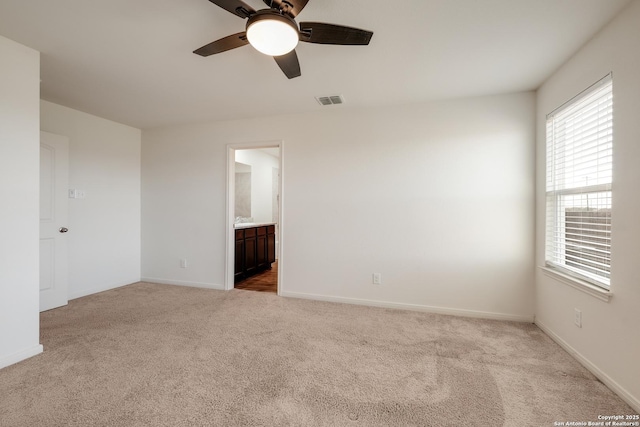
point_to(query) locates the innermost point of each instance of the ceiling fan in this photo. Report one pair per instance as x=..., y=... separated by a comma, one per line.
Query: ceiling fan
x=274, y=32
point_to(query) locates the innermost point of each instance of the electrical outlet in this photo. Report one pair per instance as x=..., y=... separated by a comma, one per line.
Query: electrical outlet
x=183, y=263
x=377, y=279
x=77, y=194
x=577, y=318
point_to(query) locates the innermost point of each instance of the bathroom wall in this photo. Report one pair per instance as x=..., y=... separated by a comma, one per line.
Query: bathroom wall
x=262, y=165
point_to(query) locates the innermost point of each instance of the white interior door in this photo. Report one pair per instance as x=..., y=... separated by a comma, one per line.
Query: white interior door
x=54, y=177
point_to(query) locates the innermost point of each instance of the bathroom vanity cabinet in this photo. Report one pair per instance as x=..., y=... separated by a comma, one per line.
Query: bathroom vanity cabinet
x=255, y=249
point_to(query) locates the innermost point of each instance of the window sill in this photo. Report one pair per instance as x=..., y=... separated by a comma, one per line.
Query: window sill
x=578, y=284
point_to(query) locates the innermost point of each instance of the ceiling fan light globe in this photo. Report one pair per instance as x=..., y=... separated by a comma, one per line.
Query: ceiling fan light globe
x=273, y=36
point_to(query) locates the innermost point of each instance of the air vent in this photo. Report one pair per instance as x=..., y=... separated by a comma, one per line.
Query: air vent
x=330, y=100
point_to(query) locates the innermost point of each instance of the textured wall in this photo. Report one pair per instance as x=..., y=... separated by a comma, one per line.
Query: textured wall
x=436, y=197
x=608, y=341
x=19, y=209
x=104, y=236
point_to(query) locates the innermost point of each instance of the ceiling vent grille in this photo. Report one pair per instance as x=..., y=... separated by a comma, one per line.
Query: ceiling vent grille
x=330, y=100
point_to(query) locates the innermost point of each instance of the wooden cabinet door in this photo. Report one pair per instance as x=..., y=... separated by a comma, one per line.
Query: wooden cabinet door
x=239, y=257
x=262, y=251
x=250, y=251
x=271, y=245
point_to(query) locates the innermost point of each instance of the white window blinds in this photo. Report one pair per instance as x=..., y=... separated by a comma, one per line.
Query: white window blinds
x=579, y=176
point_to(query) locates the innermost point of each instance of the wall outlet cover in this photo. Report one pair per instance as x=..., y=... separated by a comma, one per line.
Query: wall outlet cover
x=577, y=319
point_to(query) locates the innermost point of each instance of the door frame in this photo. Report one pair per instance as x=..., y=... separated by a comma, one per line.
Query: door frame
x=231, y=199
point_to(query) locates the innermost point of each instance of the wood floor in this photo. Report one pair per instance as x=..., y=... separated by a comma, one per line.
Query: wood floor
x=267, y=281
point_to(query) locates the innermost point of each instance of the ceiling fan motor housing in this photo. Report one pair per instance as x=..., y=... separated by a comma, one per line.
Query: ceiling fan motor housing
x=272, y=33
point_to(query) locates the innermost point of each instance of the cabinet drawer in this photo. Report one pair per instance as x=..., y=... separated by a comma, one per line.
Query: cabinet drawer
x=249, y=232
x=262, y=231
x=239, y=234
x=271, y=229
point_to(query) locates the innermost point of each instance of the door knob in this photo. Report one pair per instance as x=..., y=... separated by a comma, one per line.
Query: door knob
x=63, y=229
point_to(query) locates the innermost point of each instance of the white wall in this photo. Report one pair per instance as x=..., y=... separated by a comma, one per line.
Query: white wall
x=262, y=165
x=104, y=227
x=438, y=198
x=19, y=192
x=608, y=342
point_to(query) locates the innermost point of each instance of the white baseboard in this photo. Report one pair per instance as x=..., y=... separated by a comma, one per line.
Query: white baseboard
x=183, y=283
x=20, y=356
x=97, y=289
x=413, y=307
x=606, y=379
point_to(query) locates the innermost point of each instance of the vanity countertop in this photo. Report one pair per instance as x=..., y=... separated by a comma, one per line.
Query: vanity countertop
x=242, y=225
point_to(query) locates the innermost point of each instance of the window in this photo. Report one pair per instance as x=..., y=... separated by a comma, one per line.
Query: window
x=579, y=176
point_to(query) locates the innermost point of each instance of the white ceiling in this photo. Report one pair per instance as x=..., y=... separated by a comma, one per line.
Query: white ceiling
x=132, y=61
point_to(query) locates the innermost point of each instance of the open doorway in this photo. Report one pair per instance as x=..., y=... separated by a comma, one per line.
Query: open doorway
x=254, y=218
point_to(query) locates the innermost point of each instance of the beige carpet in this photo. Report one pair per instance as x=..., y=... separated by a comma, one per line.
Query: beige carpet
x=158, y=355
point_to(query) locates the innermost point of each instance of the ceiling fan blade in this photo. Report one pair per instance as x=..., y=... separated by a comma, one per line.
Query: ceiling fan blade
x=237, y=7
x=291, y=7
x=289, y=64
x=318, y=32
x=227, y=43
